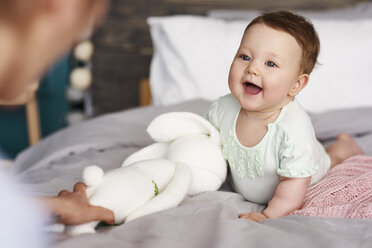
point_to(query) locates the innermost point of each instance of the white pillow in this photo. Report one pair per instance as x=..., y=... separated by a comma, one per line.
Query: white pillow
x=342, y=79
x=192, y=56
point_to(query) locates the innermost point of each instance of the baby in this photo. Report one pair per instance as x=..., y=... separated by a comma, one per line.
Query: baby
x=268, y=138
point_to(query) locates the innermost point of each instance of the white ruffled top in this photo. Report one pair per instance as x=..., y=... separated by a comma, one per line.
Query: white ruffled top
x=289, y=148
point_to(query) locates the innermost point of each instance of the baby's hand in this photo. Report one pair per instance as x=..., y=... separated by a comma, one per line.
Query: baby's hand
x=253, y=216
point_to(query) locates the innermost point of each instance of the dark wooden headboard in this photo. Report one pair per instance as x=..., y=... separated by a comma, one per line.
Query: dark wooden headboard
x=123, y=46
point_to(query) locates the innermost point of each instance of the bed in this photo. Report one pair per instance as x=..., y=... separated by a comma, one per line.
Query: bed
x=210, y=219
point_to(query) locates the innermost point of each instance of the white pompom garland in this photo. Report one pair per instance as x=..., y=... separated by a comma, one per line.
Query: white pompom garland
x=81, y=78
x=80, y=82
x=84, y=51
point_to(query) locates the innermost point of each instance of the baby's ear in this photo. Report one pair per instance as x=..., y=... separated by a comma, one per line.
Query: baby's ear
x=299, y=84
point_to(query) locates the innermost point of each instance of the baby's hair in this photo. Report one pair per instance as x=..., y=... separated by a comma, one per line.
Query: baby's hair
x=299, y=28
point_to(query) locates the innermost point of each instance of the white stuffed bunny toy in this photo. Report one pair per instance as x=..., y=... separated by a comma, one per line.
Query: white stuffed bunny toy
x=186, y=160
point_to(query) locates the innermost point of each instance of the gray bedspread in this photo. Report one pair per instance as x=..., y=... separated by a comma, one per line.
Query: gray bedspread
x=207, y=220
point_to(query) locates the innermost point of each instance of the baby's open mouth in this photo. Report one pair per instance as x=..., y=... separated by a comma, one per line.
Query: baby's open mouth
x=252, y=88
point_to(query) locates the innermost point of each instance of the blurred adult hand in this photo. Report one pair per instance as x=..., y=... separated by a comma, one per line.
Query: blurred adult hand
x=73, y=208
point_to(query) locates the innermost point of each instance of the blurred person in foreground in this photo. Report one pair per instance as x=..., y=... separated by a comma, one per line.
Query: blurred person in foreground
x=33, y=35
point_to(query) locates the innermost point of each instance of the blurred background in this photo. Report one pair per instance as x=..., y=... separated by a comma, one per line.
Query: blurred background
x=102, y=75
x=123, y=47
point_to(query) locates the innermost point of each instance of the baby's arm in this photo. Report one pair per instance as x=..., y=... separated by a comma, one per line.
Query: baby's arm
x=289, y=196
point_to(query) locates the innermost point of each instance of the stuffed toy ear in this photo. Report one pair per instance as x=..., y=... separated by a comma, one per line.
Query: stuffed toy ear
x=170, y=126
x=154, y=151
x=171, y=196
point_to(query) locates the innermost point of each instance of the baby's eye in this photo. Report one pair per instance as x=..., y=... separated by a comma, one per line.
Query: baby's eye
x=245, y=58
x=270, y=64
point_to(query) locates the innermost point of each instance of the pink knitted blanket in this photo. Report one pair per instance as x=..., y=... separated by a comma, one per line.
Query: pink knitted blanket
x=346, y=191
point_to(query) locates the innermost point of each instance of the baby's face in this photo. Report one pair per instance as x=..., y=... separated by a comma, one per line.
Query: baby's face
x=265, y=68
